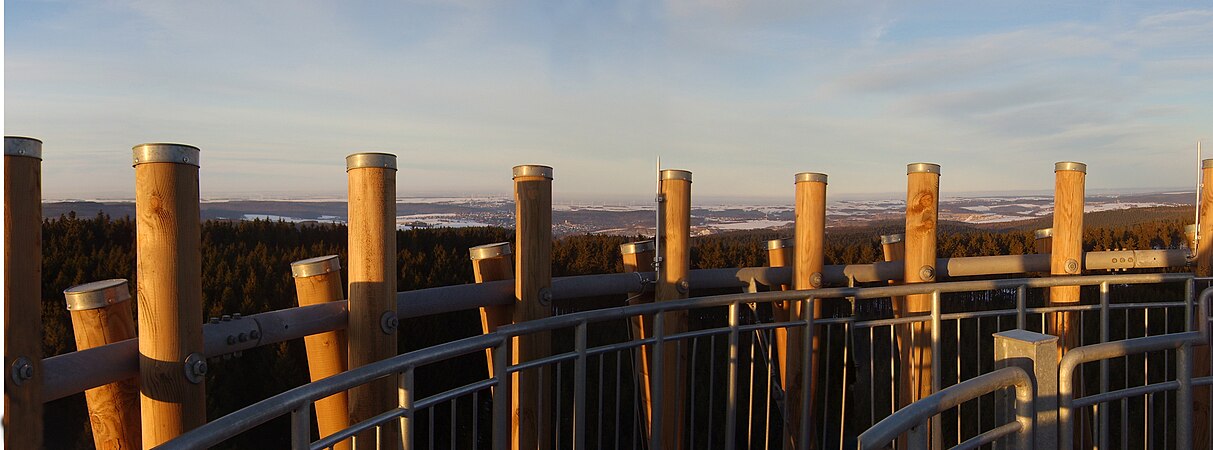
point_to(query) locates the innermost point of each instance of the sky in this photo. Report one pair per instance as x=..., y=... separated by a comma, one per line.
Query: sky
x=742, y=93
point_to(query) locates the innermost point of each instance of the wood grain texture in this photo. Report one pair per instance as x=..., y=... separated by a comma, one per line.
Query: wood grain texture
x=809, y=260
x=533, y=234
x=169, y=296
x=642, y=328
x=23, y=299
x=922, y=216
x=326, y=354
x=675, y=214
x=1066, y=246
x=372, y=292
x=113, y=409
x=491, y=317
x=781, y=311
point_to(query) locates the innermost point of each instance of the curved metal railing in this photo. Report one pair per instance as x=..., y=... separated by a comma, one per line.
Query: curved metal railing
x=574, y=421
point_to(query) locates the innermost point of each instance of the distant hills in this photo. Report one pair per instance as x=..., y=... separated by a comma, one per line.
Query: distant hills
x=984, y=213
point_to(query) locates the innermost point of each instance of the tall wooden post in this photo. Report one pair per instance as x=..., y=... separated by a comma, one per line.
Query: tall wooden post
x=492, y=262
x=533, y=235
x=372, y=288
x=809, y=261
x=893, y=248
x=101, y=315
x=1067, y=250
x=22, y=293
x=318, y=280
x=780, y=253
x=1204, y=267
x=638, y=257
x=922, y=215
x=172, y=369
x=673, y=283
x=1044, y=240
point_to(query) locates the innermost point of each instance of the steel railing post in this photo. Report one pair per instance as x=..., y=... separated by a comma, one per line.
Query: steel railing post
x=1183, y=397
x=502, y=403
x=579, y=375
x=730, y=423
x=301, y=427
x=658, y=378
x=1104, y=323
x=1036, y=354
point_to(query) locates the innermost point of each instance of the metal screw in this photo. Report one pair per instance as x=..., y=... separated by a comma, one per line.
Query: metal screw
x=927, y=273
x=199, y=368
x=236, y=316
x=213, y=320
x=22, y=370
x=815, y=279
x=243, y=337
x=227, y=317
x=684, y=286
x=545, y=296
x=1071, y=266
x=388, y=322
x=231, y=340
x=255, y=334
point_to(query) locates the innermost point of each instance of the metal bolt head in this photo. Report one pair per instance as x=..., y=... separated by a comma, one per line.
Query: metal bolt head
x=545, y=296
x=388, y=322
x=255, y=334
x=815, y=280
x=213, y=320
x=243, y=337
x=684, y=286
x=1071, y=266
x=199, y=368
x=236, y=316
x=927, y=273
x=195, y=368
x=227, y=317
x=22, y=370
x=231, y=340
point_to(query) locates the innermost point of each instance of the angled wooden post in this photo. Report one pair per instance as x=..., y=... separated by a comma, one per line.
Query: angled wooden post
x=638, y=257
x=801, y=382
x=673, y=283
x=780, y=254
x=172, y=368
x=532, y=284
x=493, y=262
x=22, y=299
x=922, y=216
x=1066, y=250
x=101, y=315
x=318, y=280
x=372, y=288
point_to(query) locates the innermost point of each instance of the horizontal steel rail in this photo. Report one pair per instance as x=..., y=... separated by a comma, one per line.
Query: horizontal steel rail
x=1096, y=352
x=913, y=416
x=76, y=372
x=295, y=399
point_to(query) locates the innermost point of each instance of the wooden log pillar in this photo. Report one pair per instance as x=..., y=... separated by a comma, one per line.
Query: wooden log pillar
x=922, y=216
x=638, y=257
x=780, y=253
x=1044, y=240
x=372, y=288
x=800, y=383
x=493, y=262
x=893, y=248
x=1066, y=250
x=101, y=315
x=172, y=368
x=1202, y=243
x=318, y=280
x=673, y=283
x=532, y=284
x=22, y=299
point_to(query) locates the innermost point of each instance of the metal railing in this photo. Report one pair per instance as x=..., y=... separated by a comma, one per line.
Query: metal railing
x=912, y=417
x=574, y=428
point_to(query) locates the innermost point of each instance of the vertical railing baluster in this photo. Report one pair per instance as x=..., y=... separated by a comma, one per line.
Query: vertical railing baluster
x=579, y=374
x=407, y=423
x=301, y=427
x=1104, y=318
x=501, y=394
x=658, y=378
x=806, y=413
x=936, y=363
x=1021, y=306
x=730, y=421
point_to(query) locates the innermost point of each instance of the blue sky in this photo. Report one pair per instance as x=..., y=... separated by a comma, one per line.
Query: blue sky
x=743, y=94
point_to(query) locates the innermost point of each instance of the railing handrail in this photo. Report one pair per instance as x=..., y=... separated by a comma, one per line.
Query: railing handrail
x=905, y=419
x=293, y=399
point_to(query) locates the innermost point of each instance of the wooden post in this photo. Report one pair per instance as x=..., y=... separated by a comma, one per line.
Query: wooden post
x=533, y=235
x=493, y=262
x=809, y=261
x=101, y=315
x=1044, y=240
x=1204, y=267
x=922, y=215
x=318, y=280
x=779, y=254
x=22, y=293
x=372, y=288
x=638, y=257
x=893, y=248
x=673, y=284
x=1066, y=251
x=172, y=369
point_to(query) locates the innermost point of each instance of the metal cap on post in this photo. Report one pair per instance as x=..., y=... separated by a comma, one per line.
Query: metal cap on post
x=805, y=177
x=922, y=168
x=315, y=266
x=775, y=244
x=159, y=152
x=97, y=294
x=1070, y=165
x=1043, y=233
x=533, y=170
x=370, y=160
x=889, y=239
x=632, y=248
x=676, y=174
x=23, y=146
x=487, y=251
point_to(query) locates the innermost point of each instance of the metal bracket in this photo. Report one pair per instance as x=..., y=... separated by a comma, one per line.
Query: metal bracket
x=21, y=370
x=195, y=368
x=388, y=322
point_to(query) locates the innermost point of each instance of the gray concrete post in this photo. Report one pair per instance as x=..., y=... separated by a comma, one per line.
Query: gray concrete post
x=1036, y=354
